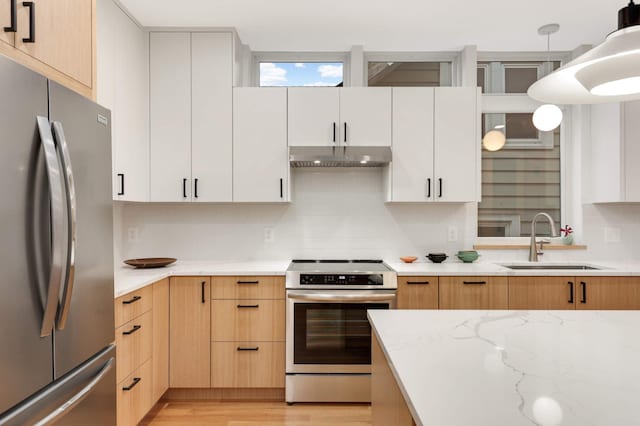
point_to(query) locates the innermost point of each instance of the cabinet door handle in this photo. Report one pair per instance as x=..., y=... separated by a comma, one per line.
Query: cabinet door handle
x=345, y=132
x=334, y=132
x=133, y=384
x=583, y=287
x=133, y=330
x=255, y=348
x=184, y=188
x=32, y=22
x=195, y=187
x=132, y=300
x=570, y=283
x=12, y=27
x=428, y=187
x=121, y=176
x=281, y=188
x=439, y=187
x=248, y=282
x=248, y=306
x=417, y=282
x=474, y=282
x=202, y=289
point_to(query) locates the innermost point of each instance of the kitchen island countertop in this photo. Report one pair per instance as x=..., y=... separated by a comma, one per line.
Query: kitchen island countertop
x=514, y=367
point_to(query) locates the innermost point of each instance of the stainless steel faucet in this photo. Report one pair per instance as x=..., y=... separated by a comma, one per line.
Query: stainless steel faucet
x=533, y=251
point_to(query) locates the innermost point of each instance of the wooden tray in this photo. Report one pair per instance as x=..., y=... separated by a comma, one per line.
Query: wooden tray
x=150, y=262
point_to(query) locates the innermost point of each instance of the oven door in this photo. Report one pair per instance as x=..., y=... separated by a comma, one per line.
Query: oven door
x=328, y=331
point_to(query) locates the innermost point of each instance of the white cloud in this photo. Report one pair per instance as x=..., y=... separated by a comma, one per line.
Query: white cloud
x=299, y=65
x=330, y=71
x=320, y=84
x=271, y=75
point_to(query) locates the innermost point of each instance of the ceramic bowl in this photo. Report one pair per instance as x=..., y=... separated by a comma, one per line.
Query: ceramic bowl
x=468, y=256
x=437, y=257
x=408, y=259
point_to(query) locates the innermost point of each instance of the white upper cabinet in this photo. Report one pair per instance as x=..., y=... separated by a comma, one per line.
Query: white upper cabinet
x=365, y=114
x=436, y=147
x=260, y=159
x=615, y=148
x=331, y=116
x=122, y=86
x=191, y=79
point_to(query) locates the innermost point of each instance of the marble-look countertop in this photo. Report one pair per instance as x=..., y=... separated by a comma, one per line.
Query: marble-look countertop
x=511, y=368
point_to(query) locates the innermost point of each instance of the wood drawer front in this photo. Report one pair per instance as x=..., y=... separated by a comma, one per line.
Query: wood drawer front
x=133, y=348
x=247, y=287
x=133, y=305
x=133, y=404
x=255, y=320
x=417, y=293
x=473, y=293
x=234, y=368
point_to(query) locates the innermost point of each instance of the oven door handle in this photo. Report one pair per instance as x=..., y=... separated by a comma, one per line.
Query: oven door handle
x=337, y=298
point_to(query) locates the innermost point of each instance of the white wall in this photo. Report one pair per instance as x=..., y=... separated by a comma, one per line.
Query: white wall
x=335, y=213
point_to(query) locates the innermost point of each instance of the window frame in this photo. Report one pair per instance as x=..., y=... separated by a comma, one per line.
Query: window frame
x=259, y=57
x=451, y=57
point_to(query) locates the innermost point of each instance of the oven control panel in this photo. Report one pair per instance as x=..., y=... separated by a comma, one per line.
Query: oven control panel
x=341, y=279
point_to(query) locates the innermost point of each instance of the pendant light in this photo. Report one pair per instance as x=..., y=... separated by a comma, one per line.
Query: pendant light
x=547, y=117
x=610, y=72
x=494, y=140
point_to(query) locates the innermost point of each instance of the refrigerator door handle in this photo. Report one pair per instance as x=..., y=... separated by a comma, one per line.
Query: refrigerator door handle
x=58, y=132
x=57, y=225
x=77, y=398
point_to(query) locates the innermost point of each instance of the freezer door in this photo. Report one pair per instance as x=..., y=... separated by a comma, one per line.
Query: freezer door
x=26, y=363
x=82, y=132
x=84, y=396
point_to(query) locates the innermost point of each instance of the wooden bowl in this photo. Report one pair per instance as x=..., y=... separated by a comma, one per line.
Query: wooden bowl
x=150, y=262
x=408, y=259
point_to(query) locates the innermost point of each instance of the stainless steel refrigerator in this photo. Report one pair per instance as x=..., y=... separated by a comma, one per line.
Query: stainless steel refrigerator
x=57, y=361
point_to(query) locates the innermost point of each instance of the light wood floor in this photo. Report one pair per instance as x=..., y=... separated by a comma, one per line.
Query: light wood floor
x=195, y=413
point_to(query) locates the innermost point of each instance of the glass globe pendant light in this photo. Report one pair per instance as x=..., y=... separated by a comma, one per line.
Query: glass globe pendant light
x=547, y=117
x=494, y=140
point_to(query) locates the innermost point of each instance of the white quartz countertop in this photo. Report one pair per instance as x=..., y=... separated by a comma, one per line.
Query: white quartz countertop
x=127, y=278
x=514, y=368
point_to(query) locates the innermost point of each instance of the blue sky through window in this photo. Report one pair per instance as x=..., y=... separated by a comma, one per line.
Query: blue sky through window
x=300, y=73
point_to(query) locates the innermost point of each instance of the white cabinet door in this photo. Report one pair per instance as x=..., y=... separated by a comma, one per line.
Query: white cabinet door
x=412, y=167
x=631, y=151
x=457, y=144
x=211, y=121
x=170, y=116
x=607, y=147
x=260, y=157
x=314, y=116
x=365, y=115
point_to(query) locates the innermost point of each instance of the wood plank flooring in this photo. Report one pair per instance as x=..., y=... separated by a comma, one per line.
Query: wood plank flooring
x=201, y=413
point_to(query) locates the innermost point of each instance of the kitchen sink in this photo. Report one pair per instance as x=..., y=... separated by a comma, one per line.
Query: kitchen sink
x=554, y=267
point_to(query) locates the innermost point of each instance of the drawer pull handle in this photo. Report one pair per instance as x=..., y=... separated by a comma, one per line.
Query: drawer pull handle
x=240, y=348
x=417, y=282
x=570, y=283
x=248, y=306
x=248, y=282
x=133, y=330
x=133, y=384
x=132, y=300
x=474, y=282
x=583, y=285
x=32, y=22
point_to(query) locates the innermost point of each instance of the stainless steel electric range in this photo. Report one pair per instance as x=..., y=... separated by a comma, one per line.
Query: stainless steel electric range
x=328, y=336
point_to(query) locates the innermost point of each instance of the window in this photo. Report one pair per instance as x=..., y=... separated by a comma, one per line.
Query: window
x=512, y=76
x=301, y=74
x=430, y=74
x=518, y=129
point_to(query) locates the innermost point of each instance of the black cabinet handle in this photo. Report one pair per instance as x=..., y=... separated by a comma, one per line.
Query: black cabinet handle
x=12, y=28
x=32, y=22
x=248, y=282
x=248, y=306
x=184, y=188
x=133, y=330
x=281, y=188
x=195, y=187
x=132, y=300
x=240, y=348
x=202, y=287
x=133, y=384
x=439, y=187
x=121, y=176
x=334, y=132
x=428, y=187
x=570, y=291
x=474, y=282
x=345, y=132
x=583, y=287
x=417, y=282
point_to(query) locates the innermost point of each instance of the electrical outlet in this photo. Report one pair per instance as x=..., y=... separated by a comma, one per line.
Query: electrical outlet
x=269, y=235
x=611, y=235
x=133, y=235
x=452, y=234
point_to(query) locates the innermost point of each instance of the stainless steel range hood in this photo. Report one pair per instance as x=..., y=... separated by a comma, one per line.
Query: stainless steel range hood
x=342, y=156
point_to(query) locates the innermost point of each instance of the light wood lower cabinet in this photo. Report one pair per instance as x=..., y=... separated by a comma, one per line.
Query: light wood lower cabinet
x=247, y=364
x=417, y=293
x=134, y=395
x=473, y=293
x=245, y=287
x=190, y=332
x=247, y=320
x=132, y=305
x=160, y=360
x=133, y=345
x=555, y=293
x=607, y=293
